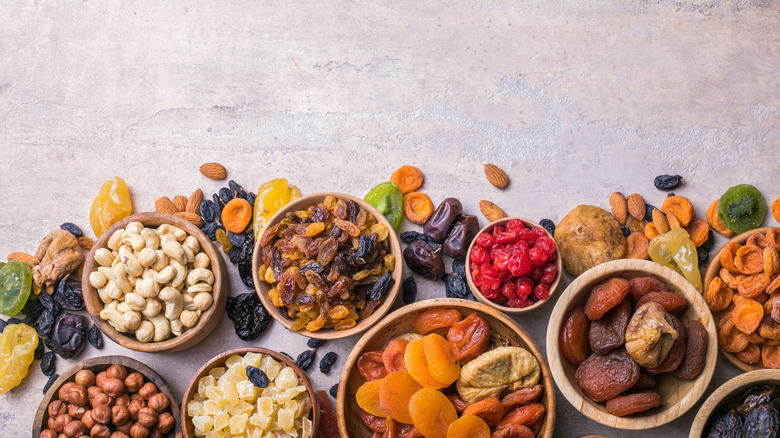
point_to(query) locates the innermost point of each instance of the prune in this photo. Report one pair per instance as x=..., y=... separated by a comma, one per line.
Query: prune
x=95, y=337
x=649, y=212
x=573, y=340
x=305, y=359
x=623, y=405
x=602, y=377
x=72, y=229
x=47, y=363
x=695, y=351
x=762, y=422
x=68, y=295
x=50, y=382
x=459, y=266
x=250, y=318
x=314, y=343
x=39, y=349
x=70, y=333
x=668, y=182
x=730, y=424
x=411, y=236
x=673, y=303
x=422, y=260
x=604, y=296
x=438, y=226
x=380, y=287
x=334, y=390
x=410, y=290
x=327, y=361
x=548, y=225
x=676, y=353
x=456, y=286
x=257, y=377
x=758, y=395
x=460, y=237
x=625, y=230
x=608, y=332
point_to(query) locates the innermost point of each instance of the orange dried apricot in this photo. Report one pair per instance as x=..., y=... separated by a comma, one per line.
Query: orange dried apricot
x=521, y=397
x=640, y=286
x=393, y=356
x=749, y=260
x=468, y=426
x=407, y=178
x=525, y=415
x=513, y=431
x=771, y=261
x=699, y=231
x=436, y=319
x=718, y=295
x=773, y=238
x=469, y=338
x=673, y=303
x=623, y=405
x=747, y=315
x=442, y=363
x=729, y=278
x=418, y=207
x=394, y=395
x=731, y=338
x=431, y=412
x=680, y=207
x=727, y=254
x=651, y=231
x=769, y=329
x=770, y=355
x=757, y=239
x=604, y=296
x=371, y=366
x=417, y=365
x=774, y=286
x=776, y=209
x=753, y=285
x=636, y=246
x=367, y=398
x=490, y=409
x=715, y=222
x=236, y=215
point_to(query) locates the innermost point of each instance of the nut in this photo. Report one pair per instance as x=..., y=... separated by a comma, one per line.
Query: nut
x=123, y=400
x=135, y=406
x=193, y=203
x=99, y=431
x=659, y=219
x=48, y=433
x=149, y=389
x=87, y=419
x=74, y=428
x=20, y=256
x=491, y=211
x=619, y=207
x=119, y=415
x=101, y=414
x=116, y=371
x=100, y=378
x=113, y=387
x=636, y=206
x=85, y=378
x=214, y=171
x=57, y=408
x=60, y=422
x=139, y=431
x=125, y=428
x=74, y=394
x=164, y=205
x=180, y=202
x=76, y=411
x=165, y=422
x=193, y=218
x=100, y=398
x=147, y=416
x=673, y=221
x=159, y=402
x=134, y=382
x=496, y=176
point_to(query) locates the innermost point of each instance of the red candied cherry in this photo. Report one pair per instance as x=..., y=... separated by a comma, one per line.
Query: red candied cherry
x=538, y=255
x=479, y=255
x=548, y=273
x=506, y=236
x=547, y=244
x=541, y=291
x=523, y=287
x=485, y=240
x=527, y=236
x=500, y=299
x=540, y=232
x=508, y=290
x=515, y=225
x=519, y=264
x=535, y=273
x=500, y=259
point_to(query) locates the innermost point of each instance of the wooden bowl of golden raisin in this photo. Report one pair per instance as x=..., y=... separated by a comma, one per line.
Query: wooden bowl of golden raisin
x=327, y=266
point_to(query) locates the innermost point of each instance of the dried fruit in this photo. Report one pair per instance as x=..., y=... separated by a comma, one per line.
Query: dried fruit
x=680, y=207
x=619, y=207
x=367, y=398
x=394, y=394
x=442, y=364
x=371, y=366
x=604, y=296
x=393, y=355
x=750, y=355
x=548, y=225
x=327, y=362
x=770, y=356
x=676, y=353
x=431, y=413
x=409, y=290
x=111, y=205
x=753, y=286
x=749, y=259
x=588, y=236
x=236, y=215
x=469, y=338
x=58, y=254
x=644, y=382
x=573, y=340
x=675, y=250
x=651, y=231
x=602, y=377
x=521, y=397
x=641, y=286
x=668, y=182
x=489, y=409
x=418, y=207
x=496, y=176
x=271, y=196
x=407, y=178
x=747, y=315
x=95, y=337
x=771, y=261
x=636, y=246
x=250, y=318
x=495, y=371
x=214, y=171
x=742, y=208
x=435, y=319
x=714, y=221
x=491, y=211
x=388, y=199
x=673, y=303
x=699, y=232
x=70, y=332
x=731, y=338
x=460, y=236
x=15, y=286
x=68, y=293
x=526, y=415
x=376, y=424
x=608, y=332
x=17, y=350
x=416, y=362
x=623, y=405
x=650, y=335
x=305, y=359
x=86, y=242
x=468, y=426
x=423, y=260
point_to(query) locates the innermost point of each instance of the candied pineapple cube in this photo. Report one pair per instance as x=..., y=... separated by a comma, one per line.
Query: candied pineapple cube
x=285, y=419
x=231, y=394
x=246, y=390
x=221, y=420
x=305, y=427
x=194, y=408
x=238, y=424
x=262, y=422
x=270, y=366
x=214, y=393
x=253, y=359
x=265, y=406
x=211, y=407
x=204, y=383
x=233, y=361
x=202, y=423
x=217, y=372
x=241, y=408
x=286, y=378
x=233, y=376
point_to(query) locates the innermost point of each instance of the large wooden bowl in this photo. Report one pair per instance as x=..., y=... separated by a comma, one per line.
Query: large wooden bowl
x=506, y=309
x=186, y=422
x=208, y=320
x=278, y=313
x=677, y=396
x=712, y=271
x=402, y=321
x=97, y=365
x=727, y=395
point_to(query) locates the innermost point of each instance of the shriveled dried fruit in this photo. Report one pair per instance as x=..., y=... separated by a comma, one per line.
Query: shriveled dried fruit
x=394, y=394
x=632, y=403
x=742, y=208
x=513, y=431
x=371, y=366
x=588, y=236
x=769, y=328
x=699, y=232
x=442, y=363
x=770, y=356
x=416, y=363
x=750, y=355
x=731, y=338
x=680, y=207
x=497, y=370
x=718, y=295
x=376, y=424
x=526, y=415
x=367, y=398
x=676, y=353
x=393, y=355
x=695, y=351
x=407, y=178
x=714, y=221
x=468, y=426
x=749, y=260
x=432, y=413
x=673, y=303
x=436, y=319
x=747, y=315
x=636, y=246
x=521, y=397
x=573, y=340
x=645, y=382
x=602, y=377
x=651, y=231
x=650, y=335
x=668, y=182
x=418, y=207
x=641, y=286
x=469, y=338
x=608, y=332
x=753, y=285
x=491, y=410
x=771, y=261
x=604, y=296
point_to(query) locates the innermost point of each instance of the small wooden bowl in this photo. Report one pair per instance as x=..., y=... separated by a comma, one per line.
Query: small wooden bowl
x=208, y=320
x=188, y=428
x=506, y=309
x=712, y=271
x=402, y=321
x=278, y=313
x=728, y=393
x=677, y=396
x=98, y=364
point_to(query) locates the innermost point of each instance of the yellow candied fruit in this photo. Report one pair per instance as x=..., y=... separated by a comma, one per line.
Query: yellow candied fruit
x=344, y=324
x=389, y=262
x=338, y=312
x=238, y=424
x=203, y=423
x=221, y=420
x=273, y=294
x=314, y=229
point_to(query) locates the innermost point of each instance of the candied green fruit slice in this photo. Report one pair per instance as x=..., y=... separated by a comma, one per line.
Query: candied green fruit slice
x=742, y=208
x=15, y=284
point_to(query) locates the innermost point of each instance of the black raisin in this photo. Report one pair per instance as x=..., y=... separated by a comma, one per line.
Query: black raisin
x=70, y=332
x=625, y=230
x=47, y=363
x=39, y=349
x=257, y=377
x=208, y=211
x=313, y=266
x=707, y=246
x=250, y=318
x=410, y=290
x=314, y=343
x=14, y=320
x=380, y=287
x=670, y=194
x=455, y=286
x=225, y=195
x=219, y=205
x=72, y=229
x=210, y=229
x=250, y=198
x=459, y=266
x=305, y=360
x=95, y=337
x=287, y=355
x=327, y=361
x=50, y=382
x=32, y=311
x=548, y=225
x=245, y=272
x=365, y=248
x=236, y=239
x=704, y=257
x=234, y=254
x=47, y=301
x=411, y=236
x=334, y=390
x=45, y=324
x=649, y=212
x=2, y=325
x=668, y=182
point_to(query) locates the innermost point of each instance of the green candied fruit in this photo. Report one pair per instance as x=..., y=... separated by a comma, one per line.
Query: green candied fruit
x=742, y=208
x=388, y=199
x=15, y=285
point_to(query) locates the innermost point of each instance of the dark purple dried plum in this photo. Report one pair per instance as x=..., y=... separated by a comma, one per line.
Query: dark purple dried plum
x=762, y=422
x=305, y=359
x=668, y=182
x=95, y=337
x=245, y=272
x=759, y=395
x=72, y=229
x=250, y=318
x=50, y=382
x=327, y=361
x=727, y=425
x=257, y=377
x=47, y=363
x=70, y=332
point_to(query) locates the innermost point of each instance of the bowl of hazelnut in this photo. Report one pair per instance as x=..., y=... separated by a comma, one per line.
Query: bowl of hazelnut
x=109, y=396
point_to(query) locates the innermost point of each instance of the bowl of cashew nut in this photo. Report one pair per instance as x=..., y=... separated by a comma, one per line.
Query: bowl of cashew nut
x=154, y=282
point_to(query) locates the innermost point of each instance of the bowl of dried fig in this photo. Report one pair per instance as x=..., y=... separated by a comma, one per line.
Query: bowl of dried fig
x=632, y=344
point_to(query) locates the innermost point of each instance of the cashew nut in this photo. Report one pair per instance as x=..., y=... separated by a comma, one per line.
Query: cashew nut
x=199, y=274
x=173, y=300
x=192, y=243
x=103, y=296
x=115, y=241
x=162, y=260
x=97, y=279
x=128, y=258
x=134, y=227
x=135, y=301
x=147, y=288
x=151, y=238
x=174, y=250
x=147, y=257
x=135, y=240
x=189, y=256
x=165, y=275
x=114, y=317
x=123, y=307
x=112, y=290
x=199, y=287
x=112, y=305
x=162, y=328
x=189, y=318
x=172, y=229
x=152, y=307
x=131, y=320
x=106, y=270
x=181, y=273
x=202, y=300
x=145, y=331
x=104, y=257
x=201, y=260
x=167, y=238
x=177, y=328
x=120, y=277
x=189, y=304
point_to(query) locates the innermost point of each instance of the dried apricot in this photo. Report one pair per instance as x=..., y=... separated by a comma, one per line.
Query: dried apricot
x=371, y=366
x=771, y=261
x=695, y=351
x=770, y=355
x=729, y=278
x=753, y=285
x=469, y=338
x=773, y=238
x=468, y=426
x=393, y=356
x=774, y=286
x=417, y=365
x=525, y=415
x=407, y=178
x=772, y=307
x=769, y=328
x=640, y=286
x=418, y=207
x=431, y=412
x=680, y=207
x=521, y=397
x=459, y=404
x=757, y=239
x=731, y=338
x=636, y=246
x=377, y=424
x=673, y=303
x=677, y=352
x=491, y=410
x=367, y=398
x=651, y=232
x=750, y=355
x=436, y=319
x=623, y=405
x=573, y=340
x=699, y=231
x=394, y=395
x=747, y=315
x=645, y=382
x=715, y=222
x=602, y=377
x=513, y=431
x=442, y=363
x=236, y=215
x=749, y=260
x=604, y=296
x=718, y=295
x=609, y=332
x=727, y=254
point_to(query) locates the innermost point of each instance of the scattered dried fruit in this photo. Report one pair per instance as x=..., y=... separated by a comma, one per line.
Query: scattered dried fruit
x=407, y=178
x=588, y=236
x=418, y=207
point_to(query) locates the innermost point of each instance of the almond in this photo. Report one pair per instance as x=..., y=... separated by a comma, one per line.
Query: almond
x=164, y=205
x=20, y=256
x=636, y=206
x=659, y=219
x=496, y=176
x=180, y=202
x=86, y=242
x=673, y=221
x=191, y=217
x=617, y=202
x=214, y=171
x=193, y=204
x=491, y=211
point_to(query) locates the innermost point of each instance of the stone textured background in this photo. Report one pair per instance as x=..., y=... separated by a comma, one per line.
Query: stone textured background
x=573, y=99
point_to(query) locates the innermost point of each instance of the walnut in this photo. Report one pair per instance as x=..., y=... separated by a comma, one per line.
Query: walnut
x=58, y=255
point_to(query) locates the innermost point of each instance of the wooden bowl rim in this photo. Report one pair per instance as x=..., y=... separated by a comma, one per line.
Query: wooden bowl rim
x=208, y=320
x=731, y=387
x=593, y=410
x=350, y=363
x=506, y=309
x=362, y=324
x=100, y=361
x=219, y=359
x=712, y=271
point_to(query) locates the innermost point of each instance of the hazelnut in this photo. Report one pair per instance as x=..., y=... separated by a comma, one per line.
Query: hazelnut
x=119, y=434
x=100, y=399
x=139, y=431
x=74, y=428
x=134, y=382
x=101, y=414
x=125, y=428
x=165, y=423
x=76, y=411
x=99, y=431
x=61, y=421
x=50, y=422
x=134, y=407
x=92, y=390
x=149, y=389
x=100, y=378
x=119, y=415
x=85, y=378
x=147, y=416
x=117, y=372
x=56, y=408
x=87, y=420
x=159, y=402
x=48, y=433
x=62, y=393
x=76, y=395
x=113, y=387
x=122, y=400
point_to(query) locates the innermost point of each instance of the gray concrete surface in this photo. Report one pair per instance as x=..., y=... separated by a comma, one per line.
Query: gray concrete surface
x=573, y=99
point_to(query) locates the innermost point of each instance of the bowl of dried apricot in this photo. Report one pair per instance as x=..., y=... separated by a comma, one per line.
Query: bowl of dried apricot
x=446, y=367
x=327, y=266
x=632, y=344
x=742, y=289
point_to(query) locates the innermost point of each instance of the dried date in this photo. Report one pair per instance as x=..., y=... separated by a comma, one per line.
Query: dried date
x=422, y=260
x=608, y=332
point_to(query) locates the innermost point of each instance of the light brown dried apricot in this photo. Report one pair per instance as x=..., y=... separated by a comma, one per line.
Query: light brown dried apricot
x=776, y=209
x=770, y=355
x=636, y=246
x=525, y=415
x=490, y=410
x=750, y=355
x=673, y=303
x=699, y=231
x=715, y=222
x=772, y=308
x=604, y=296
x=749, y=260
x=680, y=207
x=773, y=238
x=724, y=318
x=729, y=278
x=623, y=405
x=695, y=351
x=513, y=431
x=521, y=397
x=757, y=239
x=651, y=231
x=640, y=286
x=436, y=319
x=771, y=261
x=769, y=329
x=774, y=286
x=731, y=338
x=602, y=377
x=747, y=315
x=727, y=254
x=645, y=382
x=718, y=295
x=753, y=285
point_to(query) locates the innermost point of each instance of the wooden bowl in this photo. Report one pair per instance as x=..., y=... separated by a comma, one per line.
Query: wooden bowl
x=98, y=364
x=728, y=393
x=712, y=271
x=506, y=309
x=402, y=321
x=188, y=428
x=677, y=396
x=278, y=313
x=208, y=320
